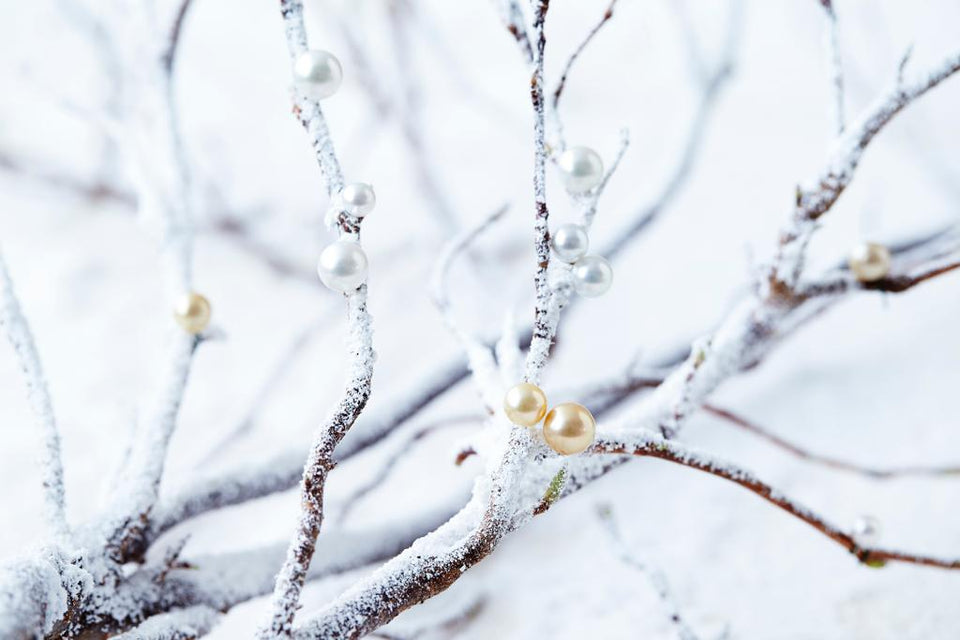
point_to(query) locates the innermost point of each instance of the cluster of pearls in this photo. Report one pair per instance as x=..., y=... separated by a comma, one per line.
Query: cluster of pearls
x=192, y=312
x=592, y=274
x=869, y=262
x=343, y=264
x=568, y=428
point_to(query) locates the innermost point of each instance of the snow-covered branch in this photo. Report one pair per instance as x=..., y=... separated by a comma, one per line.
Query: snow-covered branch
x=18, y=333
x=320, y=461
x=818, y=195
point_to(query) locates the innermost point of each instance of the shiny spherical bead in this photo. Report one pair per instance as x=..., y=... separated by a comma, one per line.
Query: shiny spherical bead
x=581, y=169
x=869, y=262
x=569, y=428
x=358, y=199
x=866, y=530
x=192, y=312
x=570, y=242
x=317, y=73
x=343, y=266
x=525, y=404
x=592, y=276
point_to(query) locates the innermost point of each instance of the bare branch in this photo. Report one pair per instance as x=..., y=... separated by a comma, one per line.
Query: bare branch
x=18, y=333
x=827, y=461
x=641, y=443
x=558, y=90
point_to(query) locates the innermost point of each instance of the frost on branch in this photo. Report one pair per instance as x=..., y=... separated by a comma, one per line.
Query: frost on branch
x=127, y=570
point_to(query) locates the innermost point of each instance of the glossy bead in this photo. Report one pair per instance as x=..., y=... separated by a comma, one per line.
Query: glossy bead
x=581, y=169
x=866, y=530
x=525, y=404
x=343, y=266
x=358, y=199
x=569, y=428
x=192, y=312
x=592, y=276
x=317, y=73
x=869, y=262
x=570, y=242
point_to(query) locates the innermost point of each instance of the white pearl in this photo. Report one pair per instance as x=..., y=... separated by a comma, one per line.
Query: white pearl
x=317, y=73
x=343, y=266
x=581, y=169
x=869, y=262
x=570, y=242
x=358, y=199
x=592, y=276
x=866, y=530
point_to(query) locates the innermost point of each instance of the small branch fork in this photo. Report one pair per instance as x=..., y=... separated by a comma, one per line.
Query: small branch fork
x=646, y=444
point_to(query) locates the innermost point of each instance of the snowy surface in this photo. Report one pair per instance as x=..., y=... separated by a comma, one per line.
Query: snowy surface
x=873, y=381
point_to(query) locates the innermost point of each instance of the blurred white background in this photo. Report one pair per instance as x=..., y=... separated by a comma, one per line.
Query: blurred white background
x=873, y=381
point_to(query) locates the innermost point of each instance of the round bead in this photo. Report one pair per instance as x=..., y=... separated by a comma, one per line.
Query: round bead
x=192, y=312
x=358, y=199
x=343, y=266
x=866, y=530
x=869, y=262
x=317, y=73
x=525, y=404
x=581, y=169
x=570, y=242
x=569, y=428
x=592, y=276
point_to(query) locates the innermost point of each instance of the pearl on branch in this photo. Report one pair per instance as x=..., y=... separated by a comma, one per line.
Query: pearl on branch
x=869, y=262
x=581, y=169
x=192, y=312
x=317, y=73
x=525, y=404
x=569, y=428
x=358, y=199
x=343, y=266
x=592, y=276
x=570, y=242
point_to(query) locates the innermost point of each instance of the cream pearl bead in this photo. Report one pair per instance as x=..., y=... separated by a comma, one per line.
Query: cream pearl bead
x=592, y=276
x=570, y=242
x=869, y=262
x=581, y=169
x=525, y=404
x=343, y=266
x=866, y=530
x=358, y=199
x=569, y=428
x=192, y=312
x=317, y=73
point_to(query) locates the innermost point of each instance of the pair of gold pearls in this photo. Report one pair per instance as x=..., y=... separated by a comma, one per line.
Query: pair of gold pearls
x=568, y=428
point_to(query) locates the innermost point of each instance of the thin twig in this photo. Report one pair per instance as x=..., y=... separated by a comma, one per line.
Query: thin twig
x=18, y=332
x=646, y=444
x=827, y=461
x=561, y=84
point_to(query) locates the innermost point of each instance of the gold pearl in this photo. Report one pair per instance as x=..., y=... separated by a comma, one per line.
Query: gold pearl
x=869, y=262
x=569, y=428
x=192, y=312
x=525, y=404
